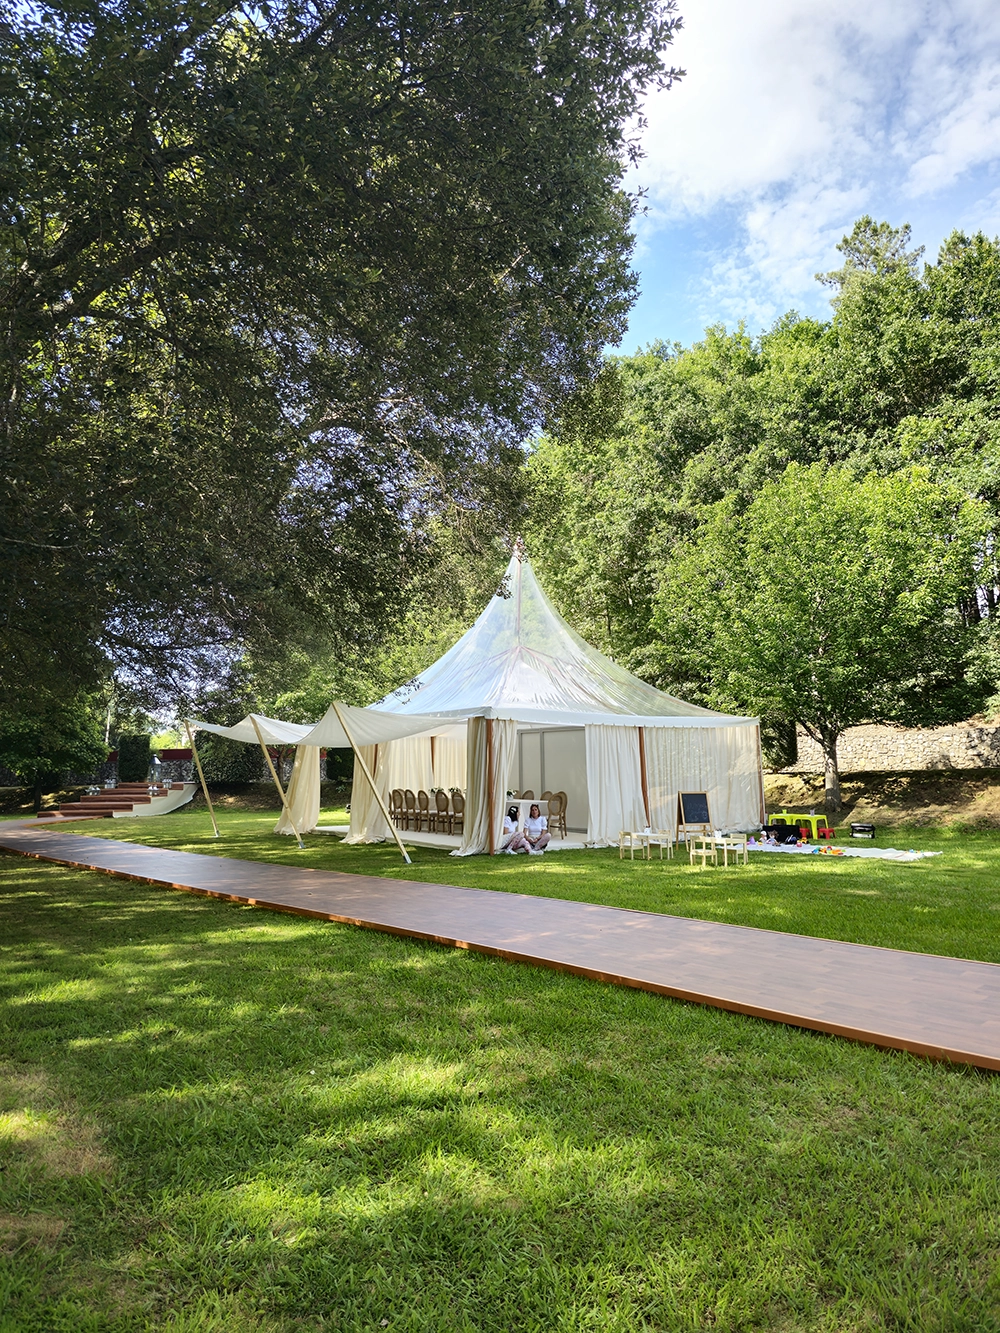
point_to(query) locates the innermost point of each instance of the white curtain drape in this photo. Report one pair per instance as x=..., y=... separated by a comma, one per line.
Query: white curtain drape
x=408, y=763
x=450, y=763
x=614, y=783
x=478, y=813
x=303, y=793
x=368, y=824
x=723, y=762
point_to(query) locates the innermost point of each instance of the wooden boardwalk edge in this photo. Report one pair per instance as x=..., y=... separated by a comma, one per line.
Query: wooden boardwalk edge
x=875, y=1035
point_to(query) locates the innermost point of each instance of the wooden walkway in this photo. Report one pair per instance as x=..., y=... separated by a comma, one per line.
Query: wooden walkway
x=943, y=1008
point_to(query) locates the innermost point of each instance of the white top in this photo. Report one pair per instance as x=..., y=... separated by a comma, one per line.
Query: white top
x=508, y=824
x=535, y=826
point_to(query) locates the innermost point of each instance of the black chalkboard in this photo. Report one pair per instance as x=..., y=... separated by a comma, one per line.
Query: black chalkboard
x=694, y=807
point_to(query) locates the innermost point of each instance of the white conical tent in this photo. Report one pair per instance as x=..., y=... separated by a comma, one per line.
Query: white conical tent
x=521, y=660
x=522, y=670
x=518, y=686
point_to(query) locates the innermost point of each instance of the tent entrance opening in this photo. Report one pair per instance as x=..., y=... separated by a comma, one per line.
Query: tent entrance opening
x=555, y=759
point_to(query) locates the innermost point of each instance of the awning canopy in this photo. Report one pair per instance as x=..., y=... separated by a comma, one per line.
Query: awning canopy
x=366, y=727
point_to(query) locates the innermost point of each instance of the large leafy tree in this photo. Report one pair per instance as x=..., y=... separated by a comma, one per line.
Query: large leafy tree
x=49, y=736
x=830, y=600
x=272, y=279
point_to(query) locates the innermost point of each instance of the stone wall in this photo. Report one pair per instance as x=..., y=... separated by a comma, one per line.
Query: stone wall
x=893, y=749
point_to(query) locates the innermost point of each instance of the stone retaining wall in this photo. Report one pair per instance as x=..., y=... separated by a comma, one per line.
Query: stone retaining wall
x=892, y=749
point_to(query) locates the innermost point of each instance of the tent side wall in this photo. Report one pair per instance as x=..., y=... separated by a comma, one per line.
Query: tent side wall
x=723, y=762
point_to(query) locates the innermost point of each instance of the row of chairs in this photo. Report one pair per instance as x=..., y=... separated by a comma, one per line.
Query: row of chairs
x=557, y=808
x=413, y=810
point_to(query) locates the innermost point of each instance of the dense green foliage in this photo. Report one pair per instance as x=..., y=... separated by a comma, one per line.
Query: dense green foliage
x=276, y=283
x=222, y=1119
x=50, y=736
x=836, y=592
x=133, y=758
x=667, y=444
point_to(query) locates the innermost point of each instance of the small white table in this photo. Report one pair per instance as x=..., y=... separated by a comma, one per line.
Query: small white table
x=646, y=841
x=706, y=848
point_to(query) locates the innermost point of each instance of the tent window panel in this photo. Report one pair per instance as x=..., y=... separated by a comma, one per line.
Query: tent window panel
x=530, y=766
x=564, y=768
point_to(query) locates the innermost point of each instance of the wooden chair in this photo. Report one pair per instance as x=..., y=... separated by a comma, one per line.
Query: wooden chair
x=626, y=838
x=441, y=815
x=557, y=813
x=704, y=849
x=423, y=811
x=409, y=809
x=545, y=796
x=457, y=811
x=527, y=796
x=396, y=807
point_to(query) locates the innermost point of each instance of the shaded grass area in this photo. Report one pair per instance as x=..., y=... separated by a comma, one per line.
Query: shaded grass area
x=948, y=904
x=220, y=1119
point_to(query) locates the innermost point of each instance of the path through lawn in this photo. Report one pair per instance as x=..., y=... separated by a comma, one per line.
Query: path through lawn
x=948, y=904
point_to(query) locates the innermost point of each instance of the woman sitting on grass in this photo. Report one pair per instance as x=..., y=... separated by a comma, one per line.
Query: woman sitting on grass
x=510, y=833
x=536, y=831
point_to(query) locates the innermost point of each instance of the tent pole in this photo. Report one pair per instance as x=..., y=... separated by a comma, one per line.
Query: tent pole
x=490, y=785
x=760, y=776
x=642, y=774
x=201, y=775
x=277, y=783
x=371, y=782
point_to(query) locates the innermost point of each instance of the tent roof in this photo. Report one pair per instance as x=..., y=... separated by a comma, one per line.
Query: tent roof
x=521, y=660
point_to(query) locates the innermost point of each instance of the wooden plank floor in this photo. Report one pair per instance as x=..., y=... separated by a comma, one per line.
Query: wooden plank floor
x=943, y=1008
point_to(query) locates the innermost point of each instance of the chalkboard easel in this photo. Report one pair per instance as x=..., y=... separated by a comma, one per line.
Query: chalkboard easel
x=693, y=814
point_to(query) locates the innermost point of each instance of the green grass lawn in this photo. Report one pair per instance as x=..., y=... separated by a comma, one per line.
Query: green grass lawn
x=216, y=1119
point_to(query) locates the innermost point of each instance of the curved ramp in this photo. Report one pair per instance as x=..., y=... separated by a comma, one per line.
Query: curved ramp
x=942, y=1008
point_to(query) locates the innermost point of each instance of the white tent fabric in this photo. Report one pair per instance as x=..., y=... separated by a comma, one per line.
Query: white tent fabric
x=450, y=762
x=367, y=726
x=521, y=665
x=408, y=764
x=614, y=778
x=368, y=824
x=303, y=793
x=521, y=660
x=723, y=762
x=478, y=812
x=273, y=731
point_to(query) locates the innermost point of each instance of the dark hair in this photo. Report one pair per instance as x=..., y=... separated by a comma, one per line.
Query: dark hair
x=512, y=812
x=535, y=806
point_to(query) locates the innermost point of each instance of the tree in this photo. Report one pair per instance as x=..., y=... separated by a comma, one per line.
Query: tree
x=876, y=248
x=49, y=736
x=272, y=275
x=830, y=601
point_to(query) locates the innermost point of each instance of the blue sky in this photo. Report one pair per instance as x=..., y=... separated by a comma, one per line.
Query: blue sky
x=797, y=116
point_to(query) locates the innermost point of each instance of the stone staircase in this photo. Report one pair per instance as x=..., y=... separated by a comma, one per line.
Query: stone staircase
x=124, y=799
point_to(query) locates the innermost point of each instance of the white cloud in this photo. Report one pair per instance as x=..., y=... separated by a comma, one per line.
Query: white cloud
x=798, y=115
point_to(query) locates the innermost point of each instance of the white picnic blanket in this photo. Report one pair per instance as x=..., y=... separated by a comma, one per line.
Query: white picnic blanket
x=880, y=853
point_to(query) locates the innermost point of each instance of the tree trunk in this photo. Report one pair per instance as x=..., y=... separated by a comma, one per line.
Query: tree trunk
x=37, y=791
x=831, y=777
